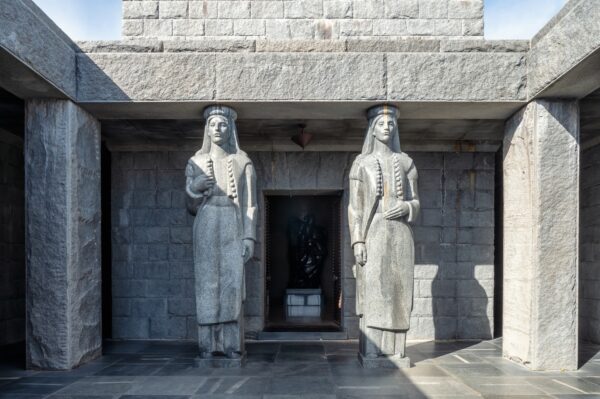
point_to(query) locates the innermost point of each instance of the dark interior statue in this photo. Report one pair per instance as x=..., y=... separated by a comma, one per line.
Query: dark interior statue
x=307, y=251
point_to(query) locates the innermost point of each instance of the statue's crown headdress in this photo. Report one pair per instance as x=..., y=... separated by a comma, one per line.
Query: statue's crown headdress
x=220, y=110
x=383, y=109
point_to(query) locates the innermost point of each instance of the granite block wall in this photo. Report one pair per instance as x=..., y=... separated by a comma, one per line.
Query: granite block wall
x=302, y=19
x=12, y=240
x=153, y=292
x=589, y=272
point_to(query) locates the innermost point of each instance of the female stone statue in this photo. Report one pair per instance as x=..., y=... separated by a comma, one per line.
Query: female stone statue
x=221, y=187
x=383, y=201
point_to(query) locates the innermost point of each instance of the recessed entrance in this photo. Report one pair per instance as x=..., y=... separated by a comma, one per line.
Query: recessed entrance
x=303, y=281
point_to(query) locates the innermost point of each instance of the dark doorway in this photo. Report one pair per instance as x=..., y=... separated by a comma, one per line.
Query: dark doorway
x=303, y=234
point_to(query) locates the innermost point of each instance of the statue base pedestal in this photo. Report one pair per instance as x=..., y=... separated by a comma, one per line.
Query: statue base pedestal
x=220, y=362
x=384, y=362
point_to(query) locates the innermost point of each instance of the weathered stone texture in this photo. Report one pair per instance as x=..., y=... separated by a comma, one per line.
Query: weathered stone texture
x=305, y=18
x=589, y=251
x=541, y=219
x=477, y=77
x=12, y=239
x=62, y=169
x=35, y=40
x=153, y=292
x=570, y=38
x=295, y=76
x=355, y=75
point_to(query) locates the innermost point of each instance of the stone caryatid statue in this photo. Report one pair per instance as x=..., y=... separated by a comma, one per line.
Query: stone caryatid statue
x=221, y=189
x=383, y=203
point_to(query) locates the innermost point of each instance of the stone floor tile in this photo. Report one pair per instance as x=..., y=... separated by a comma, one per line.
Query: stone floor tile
x=473, y=370
x=93, y=386
x=459, y=358
x=125, y=369
x=234, y=386
x=261, y=358
x=565, y=385
x=161, y=385
x=285, y=370
x=183, y=369
x=11, y=395
x=154, y=397
x=285, y=357
x=301, y=386
x=61, y=396
x=34, y=386
x=119, y=347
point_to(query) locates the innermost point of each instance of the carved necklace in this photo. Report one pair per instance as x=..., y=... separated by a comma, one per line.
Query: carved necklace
x=231, y=187
x=397, y=177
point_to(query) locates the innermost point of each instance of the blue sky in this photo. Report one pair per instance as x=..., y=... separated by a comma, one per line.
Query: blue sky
x=101, y=19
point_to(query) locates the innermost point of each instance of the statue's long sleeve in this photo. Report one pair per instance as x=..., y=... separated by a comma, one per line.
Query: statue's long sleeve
x=194, y=199
x=413, y=194
x=248, y=203
x=356, y=204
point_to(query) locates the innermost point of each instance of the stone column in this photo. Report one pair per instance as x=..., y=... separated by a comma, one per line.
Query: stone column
x=62, y=189
x=541, y=235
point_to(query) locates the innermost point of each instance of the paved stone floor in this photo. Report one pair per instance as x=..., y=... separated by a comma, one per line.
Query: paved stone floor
x=312, y=370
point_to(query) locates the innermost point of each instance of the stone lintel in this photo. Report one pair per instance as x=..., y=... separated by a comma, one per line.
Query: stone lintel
x=541, y=230
x=287, y=77
x=62, y=169
x=564, y=61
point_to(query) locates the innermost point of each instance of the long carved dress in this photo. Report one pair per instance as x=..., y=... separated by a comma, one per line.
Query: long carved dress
x=385, y=282
x=225, y=216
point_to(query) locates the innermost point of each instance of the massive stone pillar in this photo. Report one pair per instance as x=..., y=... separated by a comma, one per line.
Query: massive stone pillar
x=62, y=189
x=541, y=228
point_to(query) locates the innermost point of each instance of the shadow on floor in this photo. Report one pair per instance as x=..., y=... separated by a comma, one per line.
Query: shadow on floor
x=317, y=370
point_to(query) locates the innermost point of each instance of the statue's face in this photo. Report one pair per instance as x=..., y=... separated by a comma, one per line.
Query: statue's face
x=218, y=130
x=384, y=128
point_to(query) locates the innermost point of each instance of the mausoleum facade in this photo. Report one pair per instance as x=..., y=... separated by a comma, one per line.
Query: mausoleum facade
x=97, y=242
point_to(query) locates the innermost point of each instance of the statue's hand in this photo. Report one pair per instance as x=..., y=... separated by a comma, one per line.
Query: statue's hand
x=248, y=250
x=202, y=183
x=402, y=209
x=360, y=253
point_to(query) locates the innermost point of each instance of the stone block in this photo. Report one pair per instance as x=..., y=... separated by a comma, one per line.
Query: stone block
x=203, y=9
x=303, y=9
x=132, y=28
x=239, y=9
x=473, y=76
x=249, y=27
x=390, y=27
x=337, y=9
x=140, y=9
x=401, y=9
x=465, y=9
x=289, y=29
x=128, y=288
x=266, y=9
x=218, y=27
x=114, y=76
x=149, y=307
x=420, y=27
x=447, y=27
x=150, y=235
x=355, y=27
x=188, y=27
x=182, y=306
x=173, y=9
x=181, y=269
x=472, y=27
x=433, y=9
x=299, y=76
x=368, y=9
x=474, y=328
x=63, y=234
x=158, y=28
